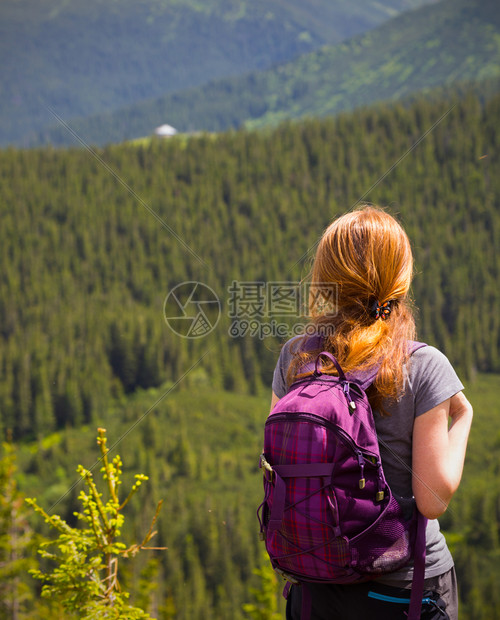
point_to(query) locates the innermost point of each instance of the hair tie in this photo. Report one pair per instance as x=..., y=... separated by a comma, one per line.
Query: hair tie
x=380, y=311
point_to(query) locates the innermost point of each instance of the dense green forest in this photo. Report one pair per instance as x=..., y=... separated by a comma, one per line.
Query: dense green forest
x=87, y=265
x=435, y=46
x=90, y=248
x=89, y=57
x=200, y=449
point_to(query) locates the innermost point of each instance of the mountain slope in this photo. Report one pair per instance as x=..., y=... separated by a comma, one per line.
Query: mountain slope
x=89, y=57
x=435, y=45
x=87, y=267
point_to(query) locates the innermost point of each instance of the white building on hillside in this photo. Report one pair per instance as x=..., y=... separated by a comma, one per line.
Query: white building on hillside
x=165, y=131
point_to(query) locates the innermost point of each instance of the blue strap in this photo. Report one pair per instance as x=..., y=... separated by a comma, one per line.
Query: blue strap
x=388, y=599
x=396, y=599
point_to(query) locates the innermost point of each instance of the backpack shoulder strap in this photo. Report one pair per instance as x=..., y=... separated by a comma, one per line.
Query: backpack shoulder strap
x=364, y=378
x=415, y=346
x=417, y=586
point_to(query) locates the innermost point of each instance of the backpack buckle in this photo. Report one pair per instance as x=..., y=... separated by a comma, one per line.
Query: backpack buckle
x=287, y=577
x=269, y=476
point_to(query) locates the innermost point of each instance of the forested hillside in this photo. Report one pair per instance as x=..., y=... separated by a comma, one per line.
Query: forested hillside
x=435, y=46
x=91, y=57
x=200, y=449
x=91, y=244
x=86, y=265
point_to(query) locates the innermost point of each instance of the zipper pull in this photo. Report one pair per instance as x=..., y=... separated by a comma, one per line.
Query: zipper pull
x=379, y=496
x=361, y=462
x=351, y=404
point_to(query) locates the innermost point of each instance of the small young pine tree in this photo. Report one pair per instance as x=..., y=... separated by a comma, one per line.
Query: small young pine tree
x=85, y=578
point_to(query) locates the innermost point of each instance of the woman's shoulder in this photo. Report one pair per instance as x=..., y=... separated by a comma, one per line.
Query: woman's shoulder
x=288, y=350
x=296, y=344
x=428, y=359
x=431, y=378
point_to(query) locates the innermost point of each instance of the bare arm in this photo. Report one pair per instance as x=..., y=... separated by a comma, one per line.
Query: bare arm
x=439, y=454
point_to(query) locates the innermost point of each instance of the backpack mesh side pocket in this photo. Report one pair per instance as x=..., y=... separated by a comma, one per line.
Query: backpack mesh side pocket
x=388, y=543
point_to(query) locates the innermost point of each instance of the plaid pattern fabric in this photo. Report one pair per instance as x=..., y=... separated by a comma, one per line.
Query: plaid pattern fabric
x=311, y=514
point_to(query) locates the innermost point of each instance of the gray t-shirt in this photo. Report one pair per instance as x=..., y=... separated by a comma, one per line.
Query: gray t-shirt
x=430, y=380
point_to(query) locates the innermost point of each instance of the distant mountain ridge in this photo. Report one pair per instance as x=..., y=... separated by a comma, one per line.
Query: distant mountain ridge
x=85, y=58
x=435, y=46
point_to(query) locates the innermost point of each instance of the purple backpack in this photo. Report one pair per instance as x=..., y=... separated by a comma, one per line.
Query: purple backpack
x=328, y=514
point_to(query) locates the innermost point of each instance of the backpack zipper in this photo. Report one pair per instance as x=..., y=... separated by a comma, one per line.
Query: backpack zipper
x=362, y=455
x=316, y=419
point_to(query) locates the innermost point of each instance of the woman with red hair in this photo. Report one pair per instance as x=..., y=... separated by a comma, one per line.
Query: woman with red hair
x=360, y=305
